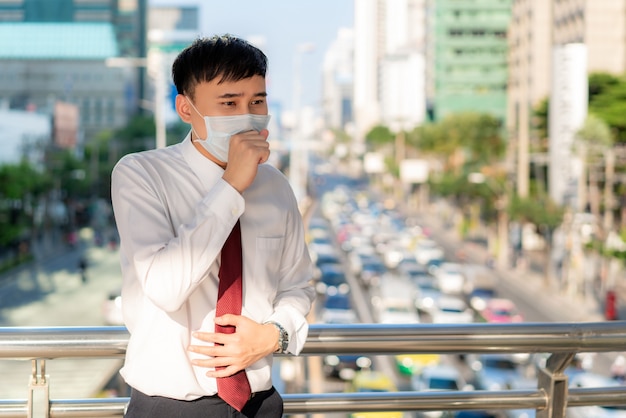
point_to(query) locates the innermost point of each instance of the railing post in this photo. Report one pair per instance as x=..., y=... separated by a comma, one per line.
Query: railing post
x=38, y=391
x=552, y=380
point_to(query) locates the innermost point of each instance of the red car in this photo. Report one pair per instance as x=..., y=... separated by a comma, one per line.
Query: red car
x=501, y=310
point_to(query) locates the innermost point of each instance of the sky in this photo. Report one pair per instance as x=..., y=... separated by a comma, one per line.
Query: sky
x=282, y=25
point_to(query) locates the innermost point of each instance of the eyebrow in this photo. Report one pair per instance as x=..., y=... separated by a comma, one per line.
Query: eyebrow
x=233, y=95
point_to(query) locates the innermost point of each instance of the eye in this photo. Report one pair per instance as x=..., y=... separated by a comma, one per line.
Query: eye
x=258, y=102
x=229, y=103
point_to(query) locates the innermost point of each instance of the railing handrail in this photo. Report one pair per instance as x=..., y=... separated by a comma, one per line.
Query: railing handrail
x=110, y=342
x=346, y=402
x=562, y=340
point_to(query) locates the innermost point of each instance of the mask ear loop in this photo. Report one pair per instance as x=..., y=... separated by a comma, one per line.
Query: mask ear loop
x=199, y=114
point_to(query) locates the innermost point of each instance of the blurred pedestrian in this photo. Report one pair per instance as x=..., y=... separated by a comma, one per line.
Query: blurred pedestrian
x=82, y=269
x=178, y=210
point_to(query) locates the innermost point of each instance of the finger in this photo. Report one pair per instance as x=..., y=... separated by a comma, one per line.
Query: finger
x=225, y=372
x=212, y=362
x=227, y=319
x=206, y=336
x=264, y=157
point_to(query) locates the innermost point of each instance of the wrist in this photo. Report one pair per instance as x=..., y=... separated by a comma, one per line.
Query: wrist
x=283, y=337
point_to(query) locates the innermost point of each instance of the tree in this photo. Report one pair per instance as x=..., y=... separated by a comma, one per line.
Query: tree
x=20, y=187
x=539, y=125
x=607, y=100
x=379, y=136
x=461, y=139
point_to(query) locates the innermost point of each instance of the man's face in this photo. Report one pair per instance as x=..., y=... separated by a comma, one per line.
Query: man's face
x=227, y=99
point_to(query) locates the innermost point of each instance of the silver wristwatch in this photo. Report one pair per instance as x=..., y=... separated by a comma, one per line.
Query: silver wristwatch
x=283, y=337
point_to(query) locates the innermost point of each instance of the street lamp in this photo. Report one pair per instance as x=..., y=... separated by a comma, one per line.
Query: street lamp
x=298, y=158
x=154, y=65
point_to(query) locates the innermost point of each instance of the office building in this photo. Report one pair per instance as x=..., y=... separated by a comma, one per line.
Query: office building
x=389, y=64
x=585, y=36
x=469, y=53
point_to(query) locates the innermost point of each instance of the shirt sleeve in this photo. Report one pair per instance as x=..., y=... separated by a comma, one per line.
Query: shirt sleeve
x=169, y=261
x=295, y=292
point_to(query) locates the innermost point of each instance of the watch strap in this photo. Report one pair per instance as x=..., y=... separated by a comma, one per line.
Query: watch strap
x=283, y=337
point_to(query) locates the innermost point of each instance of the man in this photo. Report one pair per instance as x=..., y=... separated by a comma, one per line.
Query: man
x=175, y=208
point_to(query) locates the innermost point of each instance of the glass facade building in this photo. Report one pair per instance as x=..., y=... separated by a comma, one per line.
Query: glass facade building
x=470, y=56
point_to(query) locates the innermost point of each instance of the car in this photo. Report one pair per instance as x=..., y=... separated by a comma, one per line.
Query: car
x=337, y=309
x=324, y=255
x=427, y=250
x=394, y=300
x=439, y=377
x=345, y=366
x=413, y=270
x=496, y=371
x=372, y=269
x=450, y=278
x=501, y=310
x=398, y=314
x=451, y=310
x=373, y=381
x=427, y=295
x=479, y=297
x=332, y=278
x=410, y=364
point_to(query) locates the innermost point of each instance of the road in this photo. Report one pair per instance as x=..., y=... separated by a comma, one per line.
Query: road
x=529, y=292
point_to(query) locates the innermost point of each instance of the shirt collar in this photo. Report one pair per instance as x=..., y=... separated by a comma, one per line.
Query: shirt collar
x=206, y=170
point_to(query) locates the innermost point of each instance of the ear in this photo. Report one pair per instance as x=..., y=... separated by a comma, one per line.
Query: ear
x=183, y=109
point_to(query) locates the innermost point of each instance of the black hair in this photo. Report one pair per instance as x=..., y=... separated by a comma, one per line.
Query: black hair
x=224, y=56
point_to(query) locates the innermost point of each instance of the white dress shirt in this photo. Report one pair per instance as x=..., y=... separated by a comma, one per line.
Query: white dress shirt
x=174, y=212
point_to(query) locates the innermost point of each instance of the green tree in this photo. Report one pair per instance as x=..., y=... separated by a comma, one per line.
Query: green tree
x=468, y=138
x=379, y=136
x=20, y=187
x=607, y=100
x=539, y=125
x=69, y=173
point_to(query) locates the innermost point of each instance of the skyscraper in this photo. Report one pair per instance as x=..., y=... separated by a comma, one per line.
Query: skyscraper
x=469, y=56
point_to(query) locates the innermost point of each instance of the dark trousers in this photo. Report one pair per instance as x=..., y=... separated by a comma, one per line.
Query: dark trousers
x=266, y=404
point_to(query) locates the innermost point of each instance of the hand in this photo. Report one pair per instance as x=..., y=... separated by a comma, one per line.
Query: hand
x=246, y=151
x=249, y=343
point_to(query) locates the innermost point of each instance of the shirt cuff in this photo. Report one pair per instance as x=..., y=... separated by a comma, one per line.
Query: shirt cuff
x=225, y=201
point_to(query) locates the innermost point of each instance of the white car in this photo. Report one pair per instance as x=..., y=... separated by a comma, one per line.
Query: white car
x=451, y=310
x=427, y=250
x=400, y=314
x=450, y=278
x=394, y=299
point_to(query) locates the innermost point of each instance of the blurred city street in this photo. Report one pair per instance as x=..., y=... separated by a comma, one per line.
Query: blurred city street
x=49, y=292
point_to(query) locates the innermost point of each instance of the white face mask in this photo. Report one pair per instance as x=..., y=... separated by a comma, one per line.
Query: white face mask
x=220, y=128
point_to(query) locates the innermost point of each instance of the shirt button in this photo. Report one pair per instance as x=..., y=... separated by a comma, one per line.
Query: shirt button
x=233, y=211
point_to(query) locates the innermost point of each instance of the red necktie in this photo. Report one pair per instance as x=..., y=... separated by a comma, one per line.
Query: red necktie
x=235, y=389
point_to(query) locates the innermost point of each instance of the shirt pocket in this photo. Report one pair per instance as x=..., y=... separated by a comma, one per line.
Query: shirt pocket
x=267, y=261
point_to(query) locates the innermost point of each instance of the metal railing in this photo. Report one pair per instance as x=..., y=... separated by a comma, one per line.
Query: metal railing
x=562, y=341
